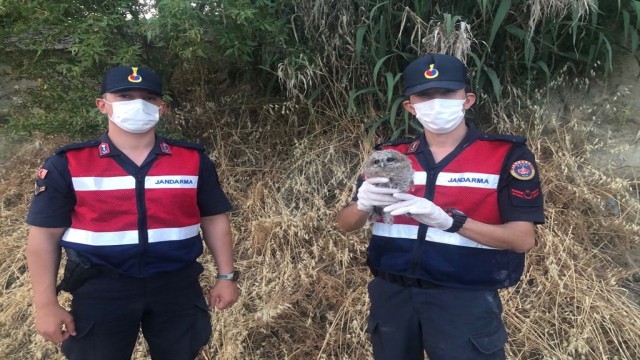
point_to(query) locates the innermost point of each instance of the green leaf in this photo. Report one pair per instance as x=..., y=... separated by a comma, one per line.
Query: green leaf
x=609, y=52
x=529, y=51
x=483, y=7
x=518, y=32
x=575, y=23
x=377, y=67
x=391, y=86
x=393, y=113
x=542, y=65
x=478, y=66
x=636, y=7
x=634, y=40
x=625, y=22
x=354, y=94
x=450, y=23
x=497, y=87
x=360, y=33
x=499, y=17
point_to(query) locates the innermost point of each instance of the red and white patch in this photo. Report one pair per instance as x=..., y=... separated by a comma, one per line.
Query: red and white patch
x=104, y=149
x=42, y=172
x=164, y=147
x=413, y=147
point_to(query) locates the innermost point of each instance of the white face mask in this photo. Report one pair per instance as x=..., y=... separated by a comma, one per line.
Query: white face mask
x=134, y=116
x=440, y=116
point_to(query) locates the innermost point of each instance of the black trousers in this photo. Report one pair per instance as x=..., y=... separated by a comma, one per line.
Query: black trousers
x=110, y=311
x=447, y=324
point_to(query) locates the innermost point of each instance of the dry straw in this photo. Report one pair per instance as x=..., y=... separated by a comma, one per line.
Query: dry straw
x=549, y=9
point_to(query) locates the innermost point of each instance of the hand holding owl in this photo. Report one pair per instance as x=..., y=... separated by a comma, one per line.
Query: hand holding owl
x=370, y=194
x=421, y=209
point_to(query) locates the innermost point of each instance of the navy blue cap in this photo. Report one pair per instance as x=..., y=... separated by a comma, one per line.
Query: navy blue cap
x=434, y=71
x=131, y=77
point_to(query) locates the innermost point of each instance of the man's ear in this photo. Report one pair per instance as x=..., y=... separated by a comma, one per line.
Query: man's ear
x=469, y=100
x=409, y=107
x=101, y=104
x=163, y=108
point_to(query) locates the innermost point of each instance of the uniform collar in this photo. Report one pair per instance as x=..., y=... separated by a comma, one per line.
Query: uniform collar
x=420, y=144
x=472, y=135
x=106, y=147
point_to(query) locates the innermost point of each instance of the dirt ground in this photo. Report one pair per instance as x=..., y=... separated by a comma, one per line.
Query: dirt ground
x=9, y=95
x=618, y=119
x=616, y=126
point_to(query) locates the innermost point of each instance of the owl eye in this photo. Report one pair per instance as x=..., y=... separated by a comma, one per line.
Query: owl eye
x=390, y=160
x=376, y=162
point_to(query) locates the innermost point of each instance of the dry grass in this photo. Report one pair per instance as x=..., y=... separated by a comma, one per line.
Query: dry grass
x=439, y=37
x=548, y=9
x=288, y=170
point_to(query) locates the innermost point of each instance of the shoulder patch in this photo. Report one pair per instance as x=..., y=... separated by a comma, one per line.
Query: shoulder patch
x=526, y=194
x=522, y=170
x=39, y=189
x=181, y=143
x=42, y=172
x=74, y=146
x=516, y=139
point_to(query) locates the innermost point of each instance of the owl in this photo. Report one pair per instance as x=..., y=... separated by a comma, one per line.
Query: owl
x=393, y=165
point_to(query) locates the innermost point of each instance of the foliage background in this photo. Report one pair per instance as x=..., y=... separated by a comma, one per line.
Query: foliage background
x=289, y=96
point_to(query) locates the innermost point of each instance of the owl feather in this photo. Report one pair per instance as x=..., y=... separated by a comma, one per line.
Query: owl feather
x=393, y=165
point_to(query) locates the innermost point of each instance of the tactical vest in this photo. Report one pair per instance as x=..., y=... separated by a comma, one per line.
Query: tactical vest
x=137, y=226
x=468, y=183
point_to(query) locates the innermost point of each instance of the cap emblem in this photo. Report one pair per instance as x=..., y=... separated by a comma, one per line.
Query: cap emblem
x=134, y=77
x=431, y=73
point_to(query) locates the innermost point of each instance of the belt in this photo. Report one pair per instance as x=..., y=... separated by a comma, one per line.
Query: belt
x=404, y=280
x=195, y=268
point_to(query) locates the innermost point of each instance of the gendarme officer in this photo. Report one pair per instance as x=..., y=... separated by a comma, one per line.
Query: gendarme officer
x=131, y=209
x=458, y=235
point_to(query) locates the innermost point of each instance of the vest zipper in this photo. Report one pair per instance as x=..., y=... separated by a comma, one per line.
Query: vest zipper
x=143, y=234
x=429, y=194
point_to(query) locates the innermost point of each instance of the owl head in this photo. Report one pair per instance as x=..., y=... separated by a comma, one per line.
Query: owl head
x=386, y=161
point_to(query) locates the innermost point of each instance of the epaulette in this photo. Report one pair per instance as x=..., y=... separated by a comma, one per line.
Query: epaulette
x=79, y=145
x=181, y=143
x=516, y=139
x=394, y=142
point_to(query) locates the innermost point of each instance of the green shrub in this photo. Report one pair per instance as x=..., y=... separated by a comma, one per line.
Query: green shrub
x=347, y=55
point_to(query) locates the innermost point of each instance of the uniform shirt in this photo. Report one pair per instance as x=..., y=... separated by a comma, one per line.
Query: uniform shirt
x=55, y=198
